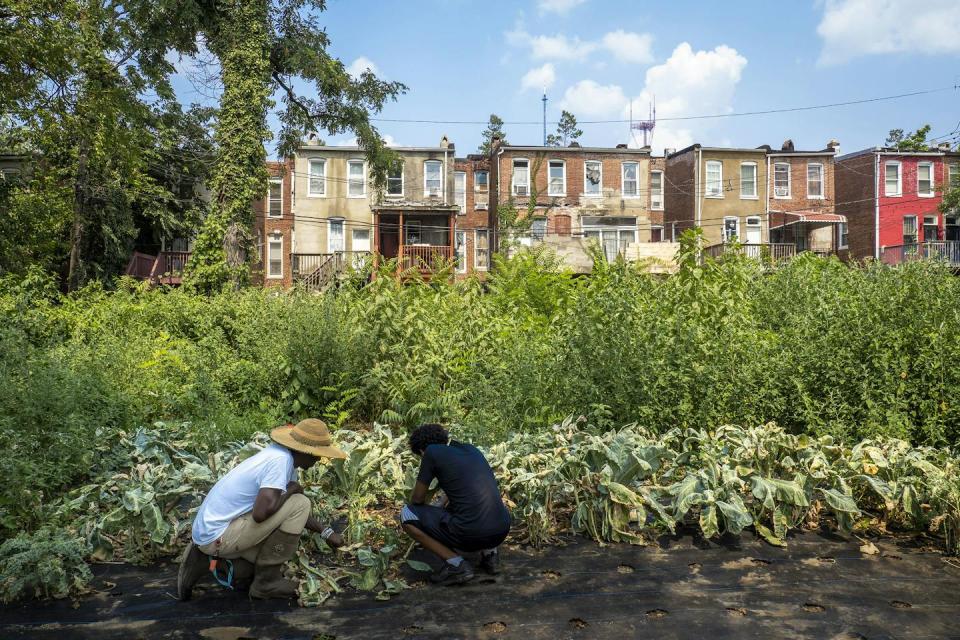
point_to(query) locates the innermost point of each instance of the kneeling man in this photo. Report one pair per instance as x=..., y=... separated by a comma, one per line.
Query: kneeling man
x=257, y=512
x=475, y=518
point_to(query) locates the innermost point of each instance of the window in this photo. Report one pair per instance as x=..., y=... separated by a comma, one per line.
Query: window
x=10, y=174
x=335, y=236
x=414, y=232
x=614, y=234
x=731, y=228
x=521, y=177
x=460, y=191
x=357, y=183
x=954, y=174
x=460, y=245
x=432, y=178
x=891, y=177
x=781, y=180
x=815, y=180
x=656, y=233
x=844, y=232
x=360, y=247
x=557, y=178
x=592, y=178
x=656, y=191
x=481, y=182
x=748, y=180
x=318, y=178
x=395, y=180
x=275, y=257
x=909, y=229
x=931, y=229
x=482, y=246
x=538, y=229
x=630, y=178
x=925, y=179
x=714, y=179
x=275, y=205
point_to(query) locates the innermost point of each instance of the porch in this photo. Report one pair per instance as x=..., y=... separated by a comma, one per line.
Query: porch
x=819, y=233
x=766, y=251
x=420, y=238
x=163, y=268
x=947, y=251
x=319, y=271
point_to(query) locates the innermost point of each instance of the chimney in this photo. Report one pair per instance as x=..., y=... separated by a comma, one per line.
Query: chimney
x=943, y=146
x=835, y=145
x=621, y=146
x=669, y=151
x=787, y=145
x=312, y=137
x=444, y=142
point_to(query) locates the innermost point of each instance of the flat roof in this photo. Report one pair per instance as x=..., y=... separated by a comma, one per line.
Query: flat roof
x=320, y=147
x=890, y=151
x=638, y=151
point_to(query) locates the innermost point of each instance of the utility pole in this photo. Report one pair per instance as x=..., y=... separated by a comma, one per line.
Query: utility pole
x=544, y=116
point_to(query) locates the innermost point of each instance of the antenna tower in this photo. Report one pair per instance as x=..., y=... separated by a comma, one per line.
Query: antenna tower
x=646, y=126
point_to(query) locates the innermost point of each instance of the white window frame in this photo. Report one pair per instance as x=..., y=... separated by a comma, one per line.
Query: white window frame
x=343, y=234
x=426, y=189
x=403, y=184
x=708, y=190
x=656, y=195
x=476, y=250
x=623, y=179
x=789, y=194
x=899, y=191
x=460, y=196
x=843, y=235
x=476, y=183
x=274, y=239
x=823, y=193
x=953, y=171
x=723, y=229
x=933, y=190
x=657, y=227
x=513, y=178
x=591, y=229
x=927, y=223
x=350, y=181
x=756, y=189
x=599, y=193
x=457, y=238
x=311, y=176
x=563, y=177
x=916, y=229
x=273, y=181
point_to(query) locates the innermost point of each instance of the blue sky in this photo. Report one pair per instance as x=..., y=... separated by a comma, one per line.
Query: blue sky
x=463, y=60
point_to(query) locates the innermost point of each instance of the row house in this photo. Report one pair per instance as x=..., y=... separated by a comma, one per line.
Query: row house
x=475, y=217
x=891, y=200
x=576, y=195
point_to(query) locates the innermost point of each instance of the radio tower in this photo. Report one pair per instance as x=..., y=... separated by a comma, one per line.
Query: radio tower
x=646, y=126
x=544, y=116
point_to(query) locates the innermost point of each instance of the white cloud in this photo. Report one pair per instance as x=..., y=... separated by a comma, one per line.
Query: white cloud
x=590, y=99
x=851, y=28
x=361, y=64
x=629, y=47
x=558, y=6
x=539, y=78
x=352, y=141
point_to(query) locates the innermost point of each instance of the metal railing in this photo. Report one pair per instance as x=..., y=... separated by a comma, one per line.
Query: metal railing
x=773, y=251
x=424, y=257
x=944, y=250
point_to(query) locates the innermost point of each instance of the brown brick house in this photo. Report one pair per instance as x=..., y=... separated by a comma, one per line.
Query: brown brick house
x=475, y=219
x=273, y=228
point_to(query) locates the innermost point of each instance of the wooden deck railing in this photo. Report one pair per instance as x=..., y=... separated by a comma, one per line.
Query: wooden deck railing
x=165, y=268
x=303, y=264
x=425, y=257
x=319, y=271
x=773, y=251
x=946, y=251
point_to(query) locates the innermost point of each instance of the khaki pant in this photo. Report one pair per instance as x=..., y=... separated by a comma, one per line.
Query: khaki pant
x=243, y=536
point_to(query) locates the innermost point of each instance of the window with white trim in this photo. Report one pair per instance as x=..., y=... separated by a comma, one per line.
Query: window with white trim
x=954, y=179
x=275, y=199
x=481, y=181
x=844, y=232
x=748, y=180
x=356, y=179
x=433, y=178
x=656, y=191
x=481, y=259
x=614, y=234
x=556, y=178
x=891, y=180
x=814, y=180
x=910, y=230
x=460, y=247
x=714, y=179
x=335, y=235
x=781, y=180
x=275, y=257
x=395, y=180
x=931, y=229
x=317, y=181
x=460, y=190
x=731, y=228
x=521, y=177
x=630, y=178
x=925, y=179
x=592, y=178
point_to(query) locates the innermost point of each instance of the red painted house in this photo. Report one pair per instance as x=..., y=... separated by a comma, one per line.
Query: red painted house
x=891, y=201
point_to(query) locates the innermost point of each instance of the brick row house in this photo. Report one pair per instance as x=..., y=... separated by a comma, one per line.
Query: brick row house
x=891, y=200
x=473, y=236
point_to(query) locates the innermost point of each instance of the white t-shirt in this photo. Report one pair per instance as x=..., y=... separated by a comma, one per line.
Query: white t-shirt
x=235, y=493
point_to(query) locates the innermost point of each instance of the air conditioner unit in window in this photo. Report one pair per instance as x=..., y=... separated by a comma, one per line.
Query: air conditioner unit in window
x=433, y=193
x=519, y=190
x=780, y=192
x=481, y=206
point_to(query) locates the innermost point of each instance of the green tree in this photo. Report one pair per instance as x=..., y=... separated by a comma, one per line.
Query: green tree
x=567, y=131
x=916, y=141
x=494, y=128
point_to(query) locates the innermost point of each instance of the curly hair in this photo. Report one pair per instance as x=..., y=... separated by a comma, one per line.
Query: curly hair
x=426, y=435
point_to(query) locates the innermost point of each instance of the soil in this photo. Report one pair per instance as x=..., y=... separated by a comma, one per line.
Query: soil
x=820, y=586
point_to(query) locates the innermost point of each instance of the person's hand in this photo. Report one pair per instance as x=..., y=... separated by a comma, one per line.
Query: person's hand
x=336, y=540
x=294, y=487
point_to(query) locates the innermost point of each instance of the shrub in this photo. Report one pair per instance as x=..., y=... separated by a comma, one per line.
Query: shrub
x=45, y=564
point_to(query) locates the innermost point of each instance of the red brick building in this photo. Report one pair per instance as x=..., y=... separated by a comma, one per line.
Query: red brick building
x=473, y=231
x=273, y=228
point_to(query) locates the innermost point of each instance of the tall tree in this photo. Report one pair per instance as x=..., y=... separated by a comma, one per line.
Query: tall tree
x=567, y=131
x=916, y=141
x=494, y=128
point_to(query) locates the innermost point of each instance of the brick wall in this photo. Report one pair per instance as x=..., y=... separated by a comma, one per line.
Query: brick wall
x=854, y=182
x=474, y=219
x=268, y=228
x=679, y=200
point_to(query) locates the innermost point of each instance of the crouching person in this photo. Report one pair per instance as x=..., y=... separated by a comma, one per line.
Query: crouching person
x=474, y=519
x=256, y=513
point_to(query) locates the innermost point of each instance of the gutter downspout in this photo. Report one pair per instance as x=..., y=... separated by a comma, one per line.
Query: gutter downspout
x=876, y=204
x=698, y=192
x=492, y=217
x=766, y=197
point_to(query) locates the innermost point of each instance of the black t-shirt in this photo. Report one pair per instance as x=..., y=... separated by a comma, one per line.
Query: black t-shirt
x=465, y=476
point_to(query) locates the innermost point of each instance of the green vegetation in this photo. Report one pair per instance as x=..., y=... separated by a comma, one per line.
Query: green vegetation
x=855, y=365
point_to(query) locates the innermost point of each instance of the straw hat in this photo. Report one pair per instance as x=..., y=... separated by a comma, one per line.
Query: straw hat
x=309, y=436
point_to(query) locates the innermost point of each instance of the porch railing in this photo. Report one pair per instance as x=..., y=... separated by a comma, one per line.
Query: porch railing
x=424, y=257
x=164, y=268
x=319, y=271
x=773, y=251
x=947, y=251
x=303, y=264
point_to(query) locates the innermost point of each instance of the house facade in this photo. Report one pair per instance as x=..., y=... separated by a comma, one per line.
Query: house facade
x=475, y=219
x=657, y=182
x=576, y=195
x=891, y=201
x=273, y=227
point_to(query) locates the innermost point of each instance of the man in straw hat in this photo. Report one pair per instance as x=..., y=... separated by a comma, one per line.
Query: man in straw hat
x=257, y=512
